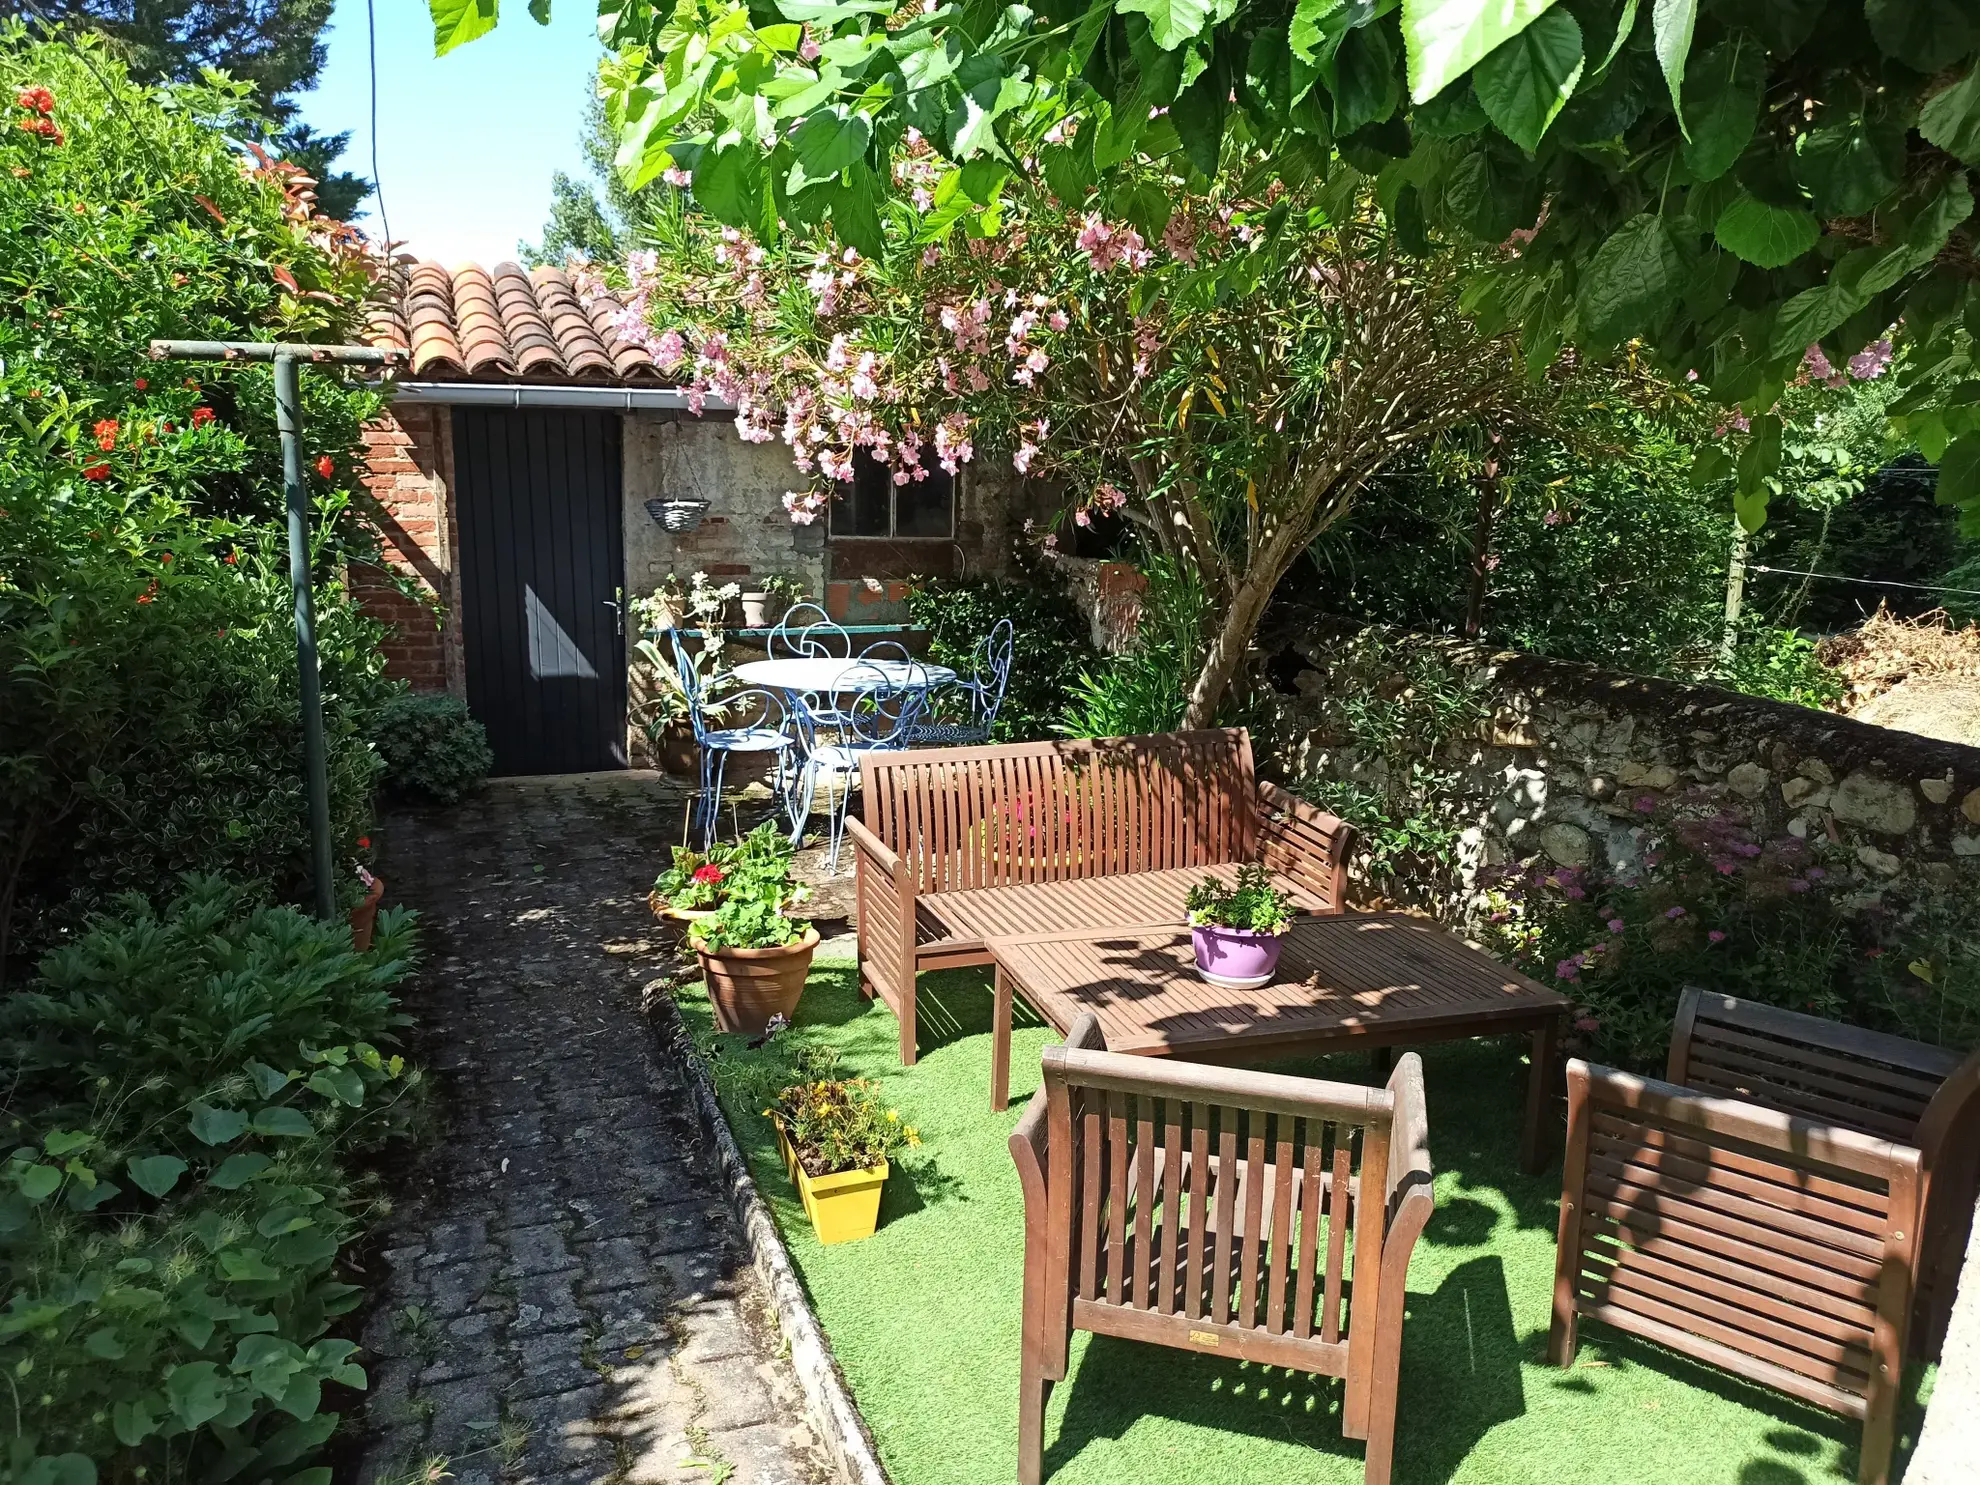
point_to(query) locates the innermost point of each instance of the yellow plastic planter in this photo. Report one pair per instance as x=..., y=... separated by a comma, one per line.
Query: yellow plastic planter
x=841, y=1207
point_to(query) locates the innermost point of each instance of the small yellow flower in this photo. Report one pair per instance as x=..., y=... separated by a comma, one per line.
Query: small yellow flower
x=893, y=1116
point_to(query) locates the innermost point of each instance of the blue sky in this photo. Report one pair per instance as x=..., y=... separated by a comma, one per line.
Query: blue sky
x=466, y=142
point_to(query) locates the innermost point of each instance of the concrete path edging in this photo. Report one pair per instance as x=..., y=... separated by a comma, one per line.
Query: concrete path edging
x=828, y=1401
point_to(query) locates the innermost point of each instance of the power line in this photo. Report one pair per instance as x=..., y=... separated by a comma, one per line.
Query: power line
x=377, y=181
x=1836, y=577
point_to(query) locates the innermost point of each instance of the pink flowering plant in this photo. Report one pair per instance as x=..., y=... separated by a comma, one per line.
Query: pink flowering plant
x=1223, y=362
x=1709, y=902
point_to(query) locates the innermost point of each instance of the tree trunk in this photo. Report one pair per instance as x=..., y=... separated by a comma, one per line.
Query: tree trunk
x=1481, y=548
x=1249, y=596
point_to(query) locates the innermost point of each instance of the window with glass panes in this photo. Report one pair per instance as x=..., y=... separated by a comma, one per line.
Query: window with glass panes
x=877, y=507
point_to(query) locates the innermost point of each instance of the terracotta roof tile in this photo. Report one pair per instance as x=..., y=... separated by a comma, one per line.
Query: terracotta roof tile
x=505, y=324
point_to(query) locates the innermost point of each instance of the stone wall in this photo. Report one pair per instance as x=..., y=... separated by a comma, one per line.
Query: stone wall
x=1551, y=761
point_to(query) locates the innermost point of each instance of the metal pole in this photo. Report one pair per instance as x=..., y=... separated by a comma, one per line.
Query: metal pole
x=288, y=421
x=316, y=774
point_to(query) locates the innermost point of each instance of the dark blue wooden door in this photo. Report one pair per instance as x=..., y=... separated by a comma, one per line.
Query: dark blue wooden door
x=542, y=567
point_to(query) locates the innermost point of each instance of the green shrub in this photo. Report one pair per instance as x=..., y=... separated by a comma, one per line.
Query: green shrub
x=1146, y=689
x=148, y=712
x=432, y=749
x=1780, y=664
x=1777, y=921
x=1050, y=648
x=187, y=1090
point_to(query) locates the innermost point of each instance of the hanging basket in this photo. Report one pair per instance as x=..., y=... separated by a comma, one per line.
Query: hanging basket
x=677, y=515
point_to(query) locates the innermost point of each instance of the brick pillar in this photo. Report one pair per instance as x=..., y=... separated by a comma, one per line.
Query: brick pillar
x=409, y=471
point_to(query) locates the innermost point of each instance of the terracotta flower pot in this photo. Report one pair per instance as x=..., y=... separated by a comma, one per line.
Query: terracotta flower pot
x=749, y=986
x=364, y=917
x=676, y=753
x=1236, y=958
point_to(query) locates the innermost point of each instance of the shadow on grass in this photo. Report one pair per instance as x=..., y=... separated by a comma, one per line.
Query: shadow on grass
x=1460, y=1368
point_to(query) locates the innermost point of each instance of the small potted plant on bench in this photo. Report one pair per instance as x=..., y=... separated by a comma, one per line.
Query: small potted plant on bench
x=1238, y=929
x=836, y=1140
x=754, y=958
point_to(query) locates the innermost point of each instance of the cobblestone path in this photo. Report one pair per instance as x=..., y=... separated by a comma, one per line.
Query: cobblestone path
x=566, y=1296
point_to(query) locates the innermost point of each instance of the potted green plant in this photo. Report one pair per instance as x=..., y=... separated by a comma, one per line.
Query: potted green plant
x=837, y=1141
x=765, y=605
x=754, y=956
x=1238, y=929
x=696, y=883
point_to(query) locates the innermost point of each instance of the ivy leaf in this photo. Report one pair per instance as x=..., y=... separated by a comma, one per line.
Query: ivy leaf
x=282, y=1121
x=237, y=1170
x=1925, y=35
x=1524, y=84
x=455, y=23
x=211, y=1126
x=1849, y=167
x=156, y=1174
x=1366, y=89
x=1959, y=472
x=60, y=1469
x=1722, y=106
x=1172, y=22
x=1447, y=38
x=267, y=1081
x=1198, y=115
x=1671, y=25
x=1951, y=118
x=1766, y=236
x=1632, y=279
x=196, y=1392
x=133, y=1421
x=827, y=142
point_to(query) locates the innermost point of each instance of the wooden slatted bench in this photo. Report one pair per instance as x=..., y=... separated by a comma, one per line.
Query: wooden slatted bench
x=960, y=845
x=1781, y=1216
x=1242, y=1214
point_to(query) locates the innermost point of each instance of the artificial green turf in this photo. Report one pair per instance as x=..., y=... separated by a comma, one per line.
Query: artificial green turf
x=923, y=1316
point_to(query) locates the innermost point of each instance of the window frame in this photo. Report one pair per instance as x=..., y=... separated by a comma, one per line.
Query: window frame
x=892, y=533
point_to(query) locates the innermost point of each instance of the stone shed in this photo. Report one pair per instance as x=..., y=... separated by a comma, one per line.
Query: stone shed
x=514, y=478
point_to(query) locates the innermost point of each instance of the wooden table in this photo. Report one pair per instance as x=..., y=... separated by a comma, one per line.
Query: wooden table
x=1360, y=980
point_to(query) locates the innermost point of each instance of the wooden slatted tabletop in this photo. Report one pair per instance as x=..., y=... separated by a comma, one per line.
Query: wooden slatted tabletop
x=1359, y=980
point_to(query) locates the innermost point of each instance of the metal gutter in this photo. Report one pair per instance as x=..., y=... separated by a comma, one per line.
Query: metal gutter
x=517, y=394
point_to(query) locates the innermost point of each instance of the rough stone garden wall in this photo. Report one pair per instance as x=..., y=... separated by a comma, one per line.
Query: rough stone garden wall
x=1534, y=761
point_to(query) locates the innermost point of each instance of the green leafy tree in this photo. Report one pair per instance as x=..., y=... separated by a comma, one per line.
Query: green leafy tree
x=148, y=711
x=1729, y=184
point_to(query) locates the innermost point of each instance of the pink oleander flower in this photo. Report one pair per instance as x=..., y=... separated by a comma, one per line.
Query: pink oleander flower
x=836, y=358
x=808, y=49
x=1057, y=320
x=1179, y=238
x=1567, y=969
x=670, y=350
x=673, y=175
x=1868, y=364
x=1026, y=452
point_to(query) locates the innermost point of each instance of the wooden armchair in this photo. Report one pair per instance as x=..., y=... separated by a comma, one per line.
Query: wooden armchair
x=1783, y=1215
x=1135, y=1228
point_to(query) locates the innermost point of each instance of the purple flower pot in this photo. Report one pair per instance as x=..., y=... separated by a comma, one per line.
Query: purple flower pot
x=1237, y=957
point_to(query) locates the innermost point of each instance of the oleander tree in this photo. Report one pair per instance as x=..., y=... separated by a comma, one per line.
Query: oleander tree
x=1228, y=382
x=1727, y=184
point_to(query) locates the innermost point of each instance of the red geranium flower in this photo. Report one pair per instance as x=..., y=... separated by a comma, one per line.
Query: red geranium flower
x=202, y=416
x=106, y=434
x=709, y=873
x=364, y=842
x=326, y=466
x=232, y=559
x=140, y=384
x=97, y=471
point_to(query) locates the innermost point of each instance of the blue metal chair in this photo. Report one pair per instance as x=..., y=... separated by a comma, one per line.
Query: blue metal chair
x=870, y=713
x=990, y=677
x=806, y=632
x=765, y=727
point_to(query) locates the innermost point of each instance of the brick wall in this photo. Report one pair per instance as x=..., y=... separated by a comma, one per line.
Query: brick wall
x=409, y=478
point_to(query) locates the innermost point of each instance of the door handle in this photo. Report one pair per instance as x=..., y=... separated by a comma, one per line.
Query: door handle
x=618, y=611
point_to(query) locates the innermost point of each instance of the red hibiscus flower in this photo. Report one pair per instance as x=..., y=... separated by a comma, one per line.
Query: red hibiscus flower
x=106, y=434
x=97, y=471
x=709, y=873
x=202, y=416
x=326, y=466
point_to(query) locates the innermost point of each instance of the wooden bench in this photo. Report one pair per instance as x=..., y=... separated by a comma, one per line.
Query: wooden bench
x=1133, y=1227
x=960, y=845
x=1788, y=1205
